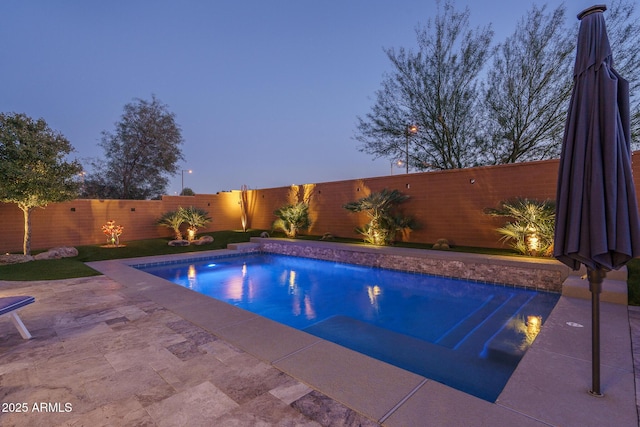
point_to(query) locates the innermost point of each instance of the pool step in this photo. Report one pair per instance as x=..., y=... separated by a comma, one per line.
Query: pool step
x=491, y=317
x=510, y=343
x=463, y=370
x=505, y=333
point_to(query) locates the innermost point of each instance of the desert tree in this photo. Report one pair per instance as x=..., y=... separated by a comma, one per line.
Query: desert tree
x=34, y=167
x=527, y=89
x=435, y=88
x=140, y=155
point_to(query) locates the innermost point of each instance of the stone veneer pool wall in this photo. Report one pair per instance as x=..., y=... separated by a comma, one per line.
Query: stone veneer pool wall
x=531, y=273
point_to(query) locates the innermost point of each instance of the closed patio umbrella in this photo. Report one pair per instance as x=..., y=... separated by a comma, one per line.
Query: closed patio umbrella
x=596, y=209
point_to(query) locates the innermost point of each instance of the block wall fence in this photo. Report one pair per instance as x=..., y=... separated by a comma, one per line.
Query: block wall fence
x=447, y=204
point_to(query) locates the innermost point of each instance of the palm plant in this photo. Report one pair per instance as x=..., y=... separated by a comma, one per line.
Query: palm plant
x=532, y=230
x=292, y=218
x=172, y=220
x=196, y=218
x=384, y=224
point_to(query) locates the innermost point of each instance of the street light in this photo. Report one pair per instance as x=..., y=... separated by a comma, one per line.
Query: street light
x=82, y=175
x=183, y=171
x=410, y=130
x=397, y=163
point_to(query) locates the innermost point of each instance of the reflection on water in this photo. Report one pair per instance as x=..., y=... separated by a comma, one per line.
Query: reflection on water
x=292, y=279
x=528, y=329
x=301, y=301
x=237, y=287
x=309, y=312
x=192, y=276
x=374, y=292
x=234, y=289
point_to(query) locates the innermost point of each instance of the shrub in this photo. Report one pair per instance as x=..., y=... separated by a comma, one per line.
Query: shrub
x=292, y=219
x=532, y=230
x=113, y=232
x=384, y=223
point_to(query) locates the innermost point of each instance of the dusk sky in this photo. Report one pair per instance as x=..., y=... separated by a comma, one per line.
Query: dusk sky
x=267, y=93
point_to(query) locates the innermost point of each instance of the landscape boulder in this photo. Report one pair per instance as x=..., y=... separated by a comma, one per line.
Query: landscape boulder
x=203, y=240
x=442, y=244
x=179, y=243
x=57, y=253
x=14, y=259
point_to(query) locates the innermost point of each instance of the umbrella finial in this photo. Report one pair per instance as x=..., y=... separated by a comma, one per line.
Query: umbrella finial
x=593, y=9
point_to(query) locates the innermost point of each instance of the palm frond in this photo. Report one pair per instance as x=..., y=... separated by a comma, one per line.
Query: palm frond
x=384, y=224
x=292, y=219
x=532, y=228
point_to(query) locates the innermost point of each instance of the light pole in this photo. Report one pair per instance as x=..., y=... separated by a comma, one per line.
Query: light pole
x=82, y=176
x=410, y=130
x=398, y=163
x=183, y=171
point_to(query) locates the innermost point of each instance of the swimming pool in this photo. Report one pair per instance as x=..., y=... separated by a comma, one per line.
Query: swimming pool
x=467, y=335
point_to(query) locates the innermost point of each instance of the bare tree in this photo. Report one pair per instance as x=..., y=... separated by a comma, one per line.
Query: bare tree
x=624, y=35
x=435, y=89
x=527, y=89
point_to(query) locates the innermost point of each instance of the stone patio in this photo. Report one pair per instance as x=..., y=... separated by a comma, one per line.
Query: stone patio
x=130, y=349
x=101, y=355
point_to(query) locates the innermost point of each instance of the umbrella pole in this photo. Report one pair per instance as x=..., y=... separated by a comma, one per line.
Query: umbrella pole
x=595, y=286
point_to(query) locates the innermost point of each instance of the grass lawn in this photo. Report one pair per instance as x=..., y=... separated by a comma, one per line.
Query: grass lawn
x=75, y=267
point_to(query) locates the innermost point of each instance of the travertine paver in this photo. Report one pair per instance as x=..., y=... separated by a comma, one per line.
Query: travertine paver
x=103, y=355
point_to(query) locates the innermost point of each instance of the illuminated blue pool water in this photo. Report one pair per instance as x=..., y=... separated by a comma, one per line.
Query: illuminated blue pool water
x=467, y=335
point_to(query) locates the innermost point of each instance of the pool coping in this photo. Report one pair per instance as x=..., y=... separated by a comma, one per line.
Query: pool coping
x=549, y=386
